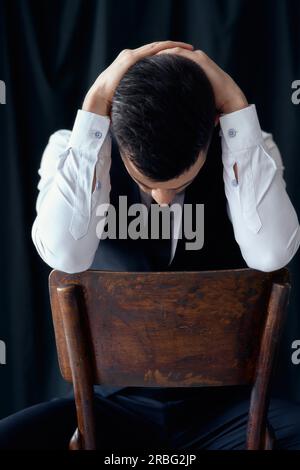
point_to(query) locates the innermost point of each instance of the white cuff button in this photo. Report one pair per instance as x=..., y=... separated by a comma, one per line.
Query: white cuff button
x=232, y=133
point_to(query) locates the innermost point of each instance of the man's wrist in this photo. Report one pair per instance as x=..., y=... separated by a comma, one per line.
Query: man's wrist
x=95, y=103
x=235, y=104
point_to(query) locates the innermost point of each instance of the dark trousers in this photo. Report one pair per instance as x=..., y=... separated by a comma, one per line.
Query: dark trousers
x=153, y=419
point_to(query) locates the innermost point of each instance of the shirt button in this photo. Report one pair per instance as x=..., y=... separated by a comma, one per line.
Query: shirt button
x=98, y=185
x=98, y=134
x=234, y=183
x=231, y=132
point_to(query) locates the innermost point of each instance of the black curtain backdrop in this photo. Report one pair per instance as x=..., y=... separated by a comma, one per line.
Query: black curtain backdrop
x=50, y=54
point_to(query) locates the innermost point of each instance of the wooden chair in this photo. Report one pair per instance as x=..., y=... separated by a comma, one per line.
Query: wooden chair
x=169, y=329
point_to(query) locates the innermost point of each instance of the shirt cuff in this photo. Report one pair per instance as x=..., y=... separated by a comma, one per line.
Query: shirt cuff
x=240, y=130
x=89, y=132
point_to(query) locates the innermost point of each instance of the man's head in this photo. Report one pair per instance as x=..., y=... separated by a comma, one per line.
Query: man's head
x=163, y=115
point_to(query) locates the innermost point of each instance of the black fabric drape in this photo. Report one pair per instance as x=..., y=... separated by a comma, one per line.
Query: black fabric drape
x=50, y=53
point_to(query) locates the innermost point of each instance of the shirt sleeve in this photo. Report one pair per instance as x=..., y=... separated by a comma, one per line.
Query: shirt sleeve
x=264, y=220
x=64, y=231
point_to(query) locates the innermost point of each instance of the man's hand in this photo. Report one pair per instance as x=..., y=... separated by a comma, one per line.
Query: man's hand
x=228, y=96
x=99, y=98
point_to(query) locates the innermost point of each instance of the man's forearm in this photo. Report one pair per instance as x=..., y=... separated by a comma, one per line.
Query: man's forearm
x=265, y=223
x=64, y=231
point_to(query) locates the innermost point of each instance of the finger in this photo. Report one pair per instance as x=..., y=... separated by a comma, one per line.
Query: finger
x=177, y=50
x=165, y=44
x=153, y=48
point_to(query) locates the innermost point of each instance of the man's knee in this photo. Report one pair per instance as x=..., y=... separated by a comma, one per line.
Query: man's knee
x=47, y=425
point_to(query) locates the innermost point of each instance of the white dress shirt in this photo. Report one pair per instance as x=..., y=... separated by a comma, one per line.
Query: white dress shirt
x=264, y=220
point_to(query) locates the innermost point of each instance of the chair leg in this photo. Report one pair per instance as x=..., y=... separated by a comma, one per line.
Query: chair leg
x=269, y=439
x=75, y=442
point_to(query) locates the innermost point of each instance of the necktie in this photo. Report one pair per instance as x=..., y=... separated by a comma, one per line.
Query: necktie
x=161, y=247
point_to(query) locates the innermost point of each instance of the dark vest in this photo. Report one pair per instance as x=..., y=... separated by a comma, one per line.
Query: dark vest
x=220, y=250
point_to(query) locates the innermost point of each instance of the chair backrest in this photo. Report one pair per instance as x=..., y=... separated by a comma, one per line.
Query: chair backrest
x=168, y=329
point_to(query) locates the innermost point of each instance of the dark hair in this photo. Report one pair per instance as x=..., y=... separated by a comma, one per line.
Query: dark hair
x=162, y=115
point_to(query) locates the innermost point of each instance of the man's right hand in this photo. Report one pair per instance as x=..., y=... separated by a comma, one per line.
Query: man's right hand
x=99, y=98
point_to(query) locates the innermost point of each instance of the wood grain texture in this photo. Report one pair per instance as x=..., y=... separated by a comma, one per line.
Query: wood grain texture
x=256, y=433
x=78, y=351
x=170, y=329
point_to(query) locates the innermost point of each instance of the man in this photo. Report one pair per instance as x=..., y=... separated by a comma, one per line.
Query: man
x=162, y=125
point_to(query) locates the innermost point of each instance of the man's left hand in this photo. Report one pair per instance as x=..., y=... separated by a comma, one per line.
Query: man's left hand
x=228, y=96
